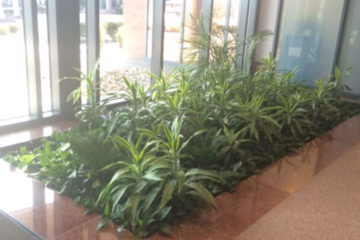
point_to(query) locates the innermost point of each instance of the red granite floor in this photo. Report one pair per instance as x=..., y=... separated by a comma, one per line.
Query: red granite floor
x=328, y=207
x=60, y=218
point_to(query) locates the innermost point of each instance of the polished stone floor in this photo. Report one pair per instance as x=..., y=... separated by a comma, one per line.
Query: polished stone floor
x=248, y=211
x=34, y=133
x=328, y=207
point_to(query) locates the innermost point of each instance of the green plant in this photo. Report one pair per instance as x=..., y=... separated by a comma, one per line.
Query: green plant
x=291, y=115
x=174, y=28
x=120, y=37
x=144, y=184
x=232, y=146
x=101, y=37
x=256, y=119
x=112, y=29
x=13, y=29
x=119, y=8
x=83, y=31
x=93, y=112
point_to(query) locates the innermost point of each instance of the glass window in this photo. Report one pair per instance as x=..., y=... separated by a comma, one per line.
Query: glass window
x=219, y=14
x=308, y=37
x=13, y=83
x=350, y=49
x=173, y=26
x=180, y=19
x=218, y=22
x=123, y=39
x=234, y=13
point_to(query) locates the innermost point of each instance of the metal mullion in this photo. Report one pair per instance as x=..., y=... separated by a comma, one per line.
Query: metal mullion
x=277, y=27
x=54, y=58
x=182, y=33
x=147, y=28
x=251, y=25
x=207, y=9
x=227, y=20
x=157, y=38
x=340, y=35
x=93, y=38
x=32, y=57
x=241, y=30
x=49, y=56
x=252, y=18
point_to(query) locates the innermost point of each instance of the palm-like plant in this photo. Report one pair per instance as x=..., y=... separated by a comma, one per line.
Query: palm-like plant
x=257, y=119
x=92, y=113
x=145, y=185
x=137, y=175
x=232, y=146
x=291, y=114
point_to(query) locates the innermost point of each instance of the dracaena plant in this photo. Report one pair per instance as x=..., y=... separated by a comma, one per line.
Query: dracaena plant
x=257, y=119
x=92, y=112
x=291, y=114
x=171, y=143
x=147, y=188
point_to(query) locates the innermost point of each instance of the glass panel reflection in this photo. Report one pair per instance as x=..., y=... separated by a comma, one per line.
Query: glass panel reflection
x=308, y=37
x=123, y=33
x=350, y=49
x=13, y=83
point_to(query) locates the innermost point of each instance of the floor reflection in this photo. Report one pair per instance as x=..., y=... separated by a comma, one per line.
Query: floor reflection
x=22, y=136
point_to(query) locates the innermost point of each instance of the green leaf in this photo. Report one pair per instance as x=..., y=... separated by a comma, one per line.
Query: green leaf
x=120, y=228
x=164, y=213
x=237, y=166
x=95, y=184
x=118, y=195
x=201, y=192
x=165, y=228
x=152, y=176
x=107, y=209
x=181, y=177
x=197, y=173
x=134, y=203
x=103, y=223
x=190, y=138
x=150, y=198
x=167, y=193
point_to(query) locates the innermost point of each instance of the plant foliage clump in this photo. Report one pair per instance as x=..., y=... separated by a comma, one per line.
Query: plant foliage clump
x=195, y=133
